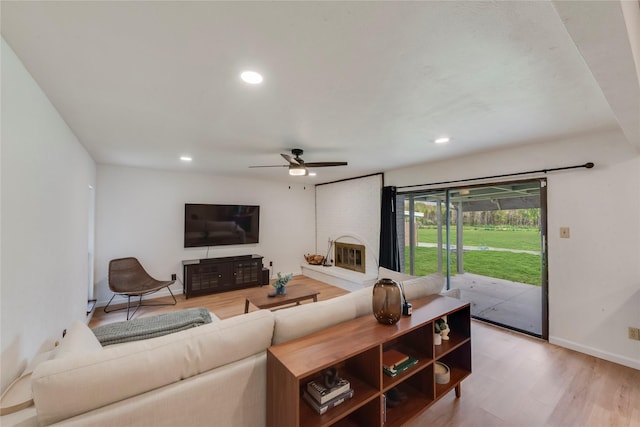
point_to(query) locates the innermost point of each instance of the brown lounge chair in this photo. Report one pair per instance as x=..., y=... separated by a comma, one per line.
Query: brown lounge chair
x=128, y=278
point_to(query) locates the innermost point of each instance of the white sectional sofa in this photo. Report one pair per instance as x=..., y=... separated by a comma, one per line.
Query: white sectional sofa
x=214, y=374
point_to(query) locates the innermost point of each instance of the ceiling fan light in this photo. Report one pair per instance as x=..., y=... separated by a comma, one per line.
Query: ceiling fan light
x=297, y=170
x=251, y=77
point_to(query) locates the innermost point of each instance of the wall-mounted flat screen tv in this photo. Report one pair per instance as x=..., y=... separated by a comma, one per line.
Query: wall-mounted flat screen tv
x=215, y=225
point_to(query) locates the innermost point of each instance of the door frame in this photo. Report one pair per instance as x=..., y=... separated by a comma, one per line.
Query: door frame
x=544, y=274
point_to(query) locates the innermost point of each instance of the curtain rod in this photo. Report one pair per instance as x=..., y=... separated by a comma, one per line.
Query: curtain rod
x=588, y=165
x=350, y=179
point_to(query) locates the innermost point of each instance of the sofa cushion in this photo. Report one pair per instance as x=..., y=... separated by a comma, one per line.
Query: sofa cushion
x=78, y=340
x=393, y=275
x=362, y=299
x=88, y=381
x=304, y=319
x=414, y=288
x=452, y=293
x=422, y=286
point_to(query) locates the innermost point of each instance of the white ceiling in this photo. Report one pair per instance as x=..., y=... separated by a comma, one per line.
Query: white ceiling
x=371, y=83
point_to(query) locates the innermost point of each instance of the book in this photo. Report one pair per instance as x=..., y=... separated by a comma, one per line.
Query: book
x=324, y=407
x=392, y=358
x=401, y=367
x=322, y=394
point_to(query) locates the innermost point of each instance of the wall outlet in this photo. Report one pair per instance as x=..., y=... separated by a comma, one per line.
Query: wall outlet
x=634, y=333
x=173, y=276
x=270, y=263
x=565, y=233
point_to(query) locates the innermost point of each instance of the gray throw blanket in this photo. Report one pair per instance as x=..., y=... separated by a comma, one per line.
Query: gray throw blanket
x=150, y=327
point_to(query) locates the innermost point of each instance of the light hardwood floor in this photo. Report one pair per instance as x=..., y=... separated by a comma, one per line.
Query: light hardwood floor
x=223, y=305
x=516, y=381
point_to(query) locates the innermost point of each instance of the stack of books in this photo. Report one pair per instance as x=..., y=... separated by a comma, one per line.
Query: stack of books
x=321, y=398
x=394, y=362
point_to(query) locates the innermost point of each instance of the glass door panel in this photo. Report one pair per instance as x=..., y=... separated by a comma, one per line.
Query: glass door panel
x=425, y=233
x=498, y=264
x=491, y=239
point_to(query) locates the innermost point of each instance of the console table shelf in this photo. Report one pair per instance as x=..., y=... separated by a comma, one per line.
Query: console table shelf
x=355, y=348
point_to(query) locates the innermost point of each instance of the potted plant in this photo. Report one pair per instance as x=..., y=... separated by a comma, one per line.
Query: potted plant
x=438, y=326
x=280, y=284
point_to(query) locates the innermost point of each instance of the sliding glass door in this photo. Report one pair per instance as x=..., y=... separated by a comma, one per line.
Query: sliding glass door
x=489, y=241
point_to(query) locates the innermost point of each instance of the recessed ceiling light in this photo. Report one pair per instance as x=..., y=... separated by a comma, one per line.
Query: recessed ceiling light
x=312, y=174
x=442, y=140
x=185, y=158
x=251, y=77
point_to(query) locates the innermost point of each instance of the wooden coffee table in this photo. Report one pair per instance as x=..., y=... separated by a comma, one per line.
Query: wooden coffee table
x=295, y=294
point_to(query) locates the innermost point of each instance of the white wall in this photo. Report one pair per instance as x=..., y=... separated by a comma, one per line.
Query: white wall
x=594, y=277
x=46, y=175
x=349, y=211
x=140, y=213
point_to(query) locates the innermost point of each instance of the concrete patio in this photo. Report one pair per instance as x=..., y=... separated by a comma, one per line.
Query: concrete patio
x=517, y=305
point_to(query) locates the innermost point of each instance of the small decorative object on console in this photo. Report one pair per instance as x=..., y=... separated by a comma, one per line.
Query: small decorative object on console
x=280, y=284
x=395, y=397
x=441, y=331
x=322, y=408
x=392, y=358
x=401, y=367
x=322, y=394
x=407, y=308
x=314, y=259
x=387, y=301
x=442, y=373
x=444, y=333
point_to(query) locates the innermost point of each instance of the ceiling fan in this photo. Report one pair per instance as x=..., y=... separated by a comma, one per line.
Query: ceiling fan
x=297, y=166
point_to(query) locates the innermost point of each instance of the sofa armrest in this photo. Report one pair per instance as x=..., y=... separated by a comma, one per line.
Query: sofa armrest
x=92, y=380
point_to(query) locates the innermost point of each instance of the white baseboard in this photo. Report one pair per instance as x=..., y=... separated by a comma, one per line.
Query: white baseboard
x=611, y=357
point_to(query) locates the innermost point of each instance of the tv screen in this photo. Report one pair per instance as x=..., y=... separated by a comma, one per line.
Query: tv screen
x=215, y=225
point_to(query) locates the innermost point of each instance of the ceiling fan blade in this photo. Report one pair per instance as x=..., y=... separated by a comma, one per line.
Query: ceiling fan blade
x=290, y=159
x=271, y=166
x=324, y=164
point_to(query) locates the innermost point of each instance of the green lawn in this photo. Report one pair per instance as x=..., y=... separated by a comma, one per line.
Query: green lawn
x=517, y=267
x=522, y=238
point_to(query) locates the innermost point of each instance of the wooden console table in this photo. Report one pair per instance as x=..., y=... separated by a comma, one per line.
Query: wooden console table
x=355, y=348
x=295, y=294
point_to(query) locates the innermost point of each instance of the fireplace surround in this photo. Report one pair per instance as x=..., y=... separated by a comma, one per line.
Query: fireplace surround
x=350, y=256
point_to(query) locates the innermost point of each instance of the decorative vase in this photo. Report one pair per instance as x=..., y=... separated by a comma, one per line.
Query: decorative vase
x=387, y=301
x=280, y=290
x=437, y=339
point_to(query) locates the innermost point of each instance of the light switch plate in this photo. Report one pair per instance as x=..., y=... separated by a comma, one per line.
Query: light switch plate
x=564, y=232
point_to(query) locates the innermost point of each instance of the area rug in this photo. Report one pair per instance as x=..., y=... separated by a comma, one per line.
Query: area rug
x=150, y=327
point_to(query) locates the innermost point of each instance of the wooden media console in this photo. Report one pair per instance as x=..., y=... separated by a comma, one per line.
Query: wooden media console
x=212, y=275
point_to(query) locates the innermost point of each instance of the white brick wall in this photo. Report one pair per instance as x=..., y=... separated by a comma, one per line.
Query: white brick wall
x=349, y=211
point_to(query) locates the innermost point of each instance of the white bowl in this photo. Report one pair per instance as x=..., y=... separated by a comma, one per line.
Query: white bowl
x=442, y=373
